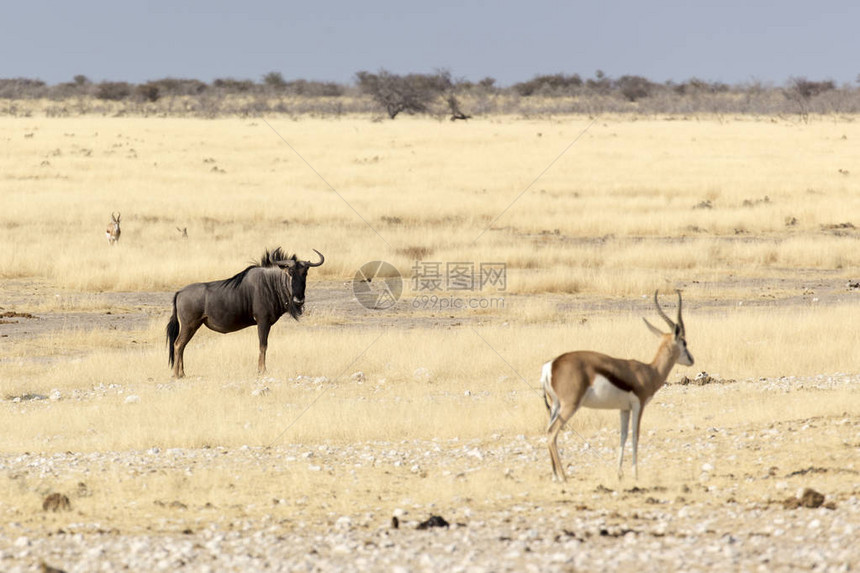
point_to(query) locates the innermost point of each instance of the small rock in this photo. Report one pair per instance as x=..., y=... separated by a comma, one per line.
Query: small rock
x=132, y=399
x=433, y=521
x=45, y=568
x=421, y=374
x=811, y=498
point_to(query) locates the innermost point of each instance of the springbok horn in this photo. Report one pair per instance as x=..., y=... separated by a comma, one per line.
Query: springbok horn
x=322, y=260
x=680, y=320
x=663, y=314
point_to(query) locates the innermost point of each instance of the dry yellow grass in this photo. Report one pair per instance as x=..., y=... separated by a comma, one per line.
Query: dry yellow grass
x=406, y=372
x=611, y=221
x=419, y=183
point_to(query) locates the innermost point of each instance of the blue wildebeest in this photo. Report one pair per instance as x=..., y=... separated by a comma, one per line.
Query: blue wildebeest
x=258, y=295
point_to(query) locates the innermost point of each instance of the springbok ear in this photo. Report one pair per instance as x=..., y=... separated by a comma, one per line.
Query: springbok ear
x=652, y=328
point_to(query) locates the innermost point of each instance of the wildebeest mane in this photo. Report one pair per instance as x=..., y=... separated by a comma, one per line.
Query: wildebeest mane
x=269, y=259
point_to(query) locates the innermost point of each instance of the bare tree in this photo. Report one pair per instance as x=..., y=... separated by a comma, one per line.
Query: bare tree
x=801, y=91
x=410, y=94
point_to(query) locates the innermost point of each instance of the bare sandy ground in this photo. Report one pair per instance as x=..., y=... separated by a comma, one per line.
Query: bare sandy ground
x=740, y=504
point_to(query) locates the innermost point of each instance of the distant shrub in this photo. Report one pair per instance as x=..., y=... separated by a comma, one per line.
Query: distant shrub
x=548, y=85
x=806, y=89
x=178, y=87
x=487, y=83
x=801, y=91
x=148, y=92
x=314, y=89
x=22, y=88
x=634, y=88
x=274, y=80
x=600, y=84
x=113, y=91
x=231, y=85
x=696, y=86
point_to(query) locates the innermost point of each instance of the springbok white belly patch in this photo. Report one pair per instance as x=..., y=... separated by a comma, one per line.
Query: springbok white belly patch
x=604, y=395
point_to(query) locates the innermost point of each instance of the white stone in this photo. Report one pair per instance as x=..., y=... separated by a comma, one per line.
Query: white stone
x=421, y=374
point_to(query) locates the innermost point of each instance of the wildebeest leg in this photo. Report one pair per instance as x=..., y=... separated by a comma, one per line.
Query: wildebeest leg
x=263, y=333
x=186, y=331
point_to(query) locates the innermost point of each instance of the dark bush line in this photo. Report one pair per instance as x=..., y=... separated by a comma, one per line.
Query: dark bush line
x=437, y=94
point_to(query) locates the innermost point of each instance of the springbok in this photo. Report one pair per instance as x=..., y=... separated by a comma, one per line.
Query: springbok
x=183, y=232
x=599, y=381
x=113, y=231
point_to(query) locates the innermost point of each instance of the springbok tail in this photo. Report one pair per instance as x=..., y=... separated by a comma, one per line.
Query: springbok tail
x=172, y=332
x=549, y=393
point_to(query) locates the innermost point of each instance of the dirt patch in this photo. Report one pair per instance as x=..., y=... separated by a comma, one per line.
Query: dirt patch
x=9, y=314
x=56, y=502
x=13, y=314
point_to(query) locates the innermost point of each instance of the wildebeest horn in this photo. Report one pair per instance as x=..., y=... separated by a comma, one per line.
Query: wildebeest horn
x=663, y=314
x=322, y=260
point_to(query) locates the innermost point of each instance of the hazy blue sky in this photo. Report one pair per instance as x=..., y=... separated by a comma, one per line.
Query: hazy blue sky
x=729, y=40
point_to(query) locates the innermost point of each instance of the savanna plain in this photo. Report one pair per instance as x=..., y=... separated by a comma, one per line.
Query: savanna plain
x=430, y=407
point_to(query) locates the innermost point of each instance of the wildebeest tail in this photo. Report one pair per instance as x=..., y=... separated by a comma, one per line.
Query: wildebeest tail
x=172, y=331
x=549, y=394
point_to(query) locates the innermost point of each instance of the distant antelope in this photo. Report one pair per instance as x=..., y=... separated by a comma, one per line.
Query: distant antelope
x=599, y=381
x=113, y=231
x=183, y=232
